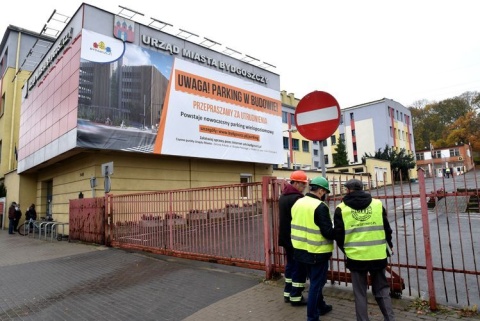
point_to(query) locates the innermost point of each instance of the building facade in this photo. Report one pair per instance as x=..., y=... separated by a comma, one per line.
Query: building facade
x=20, y=51
x=369, y=127
x=364, y=128
x=435, y=161
x=157, y=111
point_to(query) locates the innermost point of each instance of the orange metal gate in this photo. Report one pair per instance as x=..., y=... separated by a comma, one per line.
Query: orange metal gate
x=433, y=223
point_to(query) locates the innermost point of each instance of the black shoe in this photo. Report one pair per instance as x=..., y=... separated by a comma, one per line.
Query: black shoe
x=327, y=308
x=299, y=303
x=286, y=299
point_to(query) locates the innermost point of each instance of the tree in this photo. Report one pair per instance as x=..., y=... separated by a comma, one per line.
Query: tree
x=340, y=158
x=465, y=130
x=432, y=121
x=400, y=162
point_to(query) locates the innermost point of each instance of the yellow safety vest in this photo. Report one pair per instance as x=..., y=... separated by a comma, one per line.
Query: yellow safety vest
x=364, y=232
x=305, y=233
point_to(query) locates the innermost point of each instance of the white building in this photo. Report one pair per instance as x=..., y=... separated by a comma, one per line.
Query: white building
x=365, y=128
x=369, y=127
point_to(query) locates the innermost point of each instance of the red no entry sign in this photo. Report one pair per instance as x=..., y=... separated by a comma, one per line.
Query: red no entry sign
x=317, y=115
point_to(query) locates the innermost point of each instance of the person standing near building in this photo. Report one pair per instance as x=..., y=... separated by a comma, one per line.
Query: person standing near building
x=11, y=218
x=18, y=216
x=295, y=273
x=31, y=213
x=312, y=239
x=362, y=232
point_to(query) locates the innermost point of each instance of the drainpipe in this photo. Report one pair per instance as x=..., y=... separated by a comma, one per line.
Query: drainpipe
x=12, y=128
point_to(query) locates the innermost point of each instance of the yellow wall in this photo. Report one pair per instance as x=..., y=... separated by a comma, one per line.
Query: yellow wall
x=12, y=89
x=135, y=173
x=366, y=174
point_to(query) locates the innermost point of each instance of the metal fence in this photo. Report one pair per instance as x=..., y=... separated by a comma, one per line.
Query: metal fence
x=435, y=223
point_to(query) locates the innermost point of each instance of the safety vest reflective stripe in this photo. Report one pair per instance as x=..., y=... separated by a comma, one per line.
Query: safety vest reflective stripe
x=366, y=243
x=364, y=232
x=365, y=229
x=310, y=242
x=305, y=234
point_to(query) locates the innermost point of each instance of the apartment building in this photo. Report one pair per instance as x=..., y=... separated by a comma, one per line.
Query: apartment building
x=365, y=128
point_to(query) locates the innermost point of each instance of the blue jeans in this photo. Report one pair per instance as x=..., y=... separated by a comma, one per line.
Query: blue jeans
x=317, y=274
x=11, y=225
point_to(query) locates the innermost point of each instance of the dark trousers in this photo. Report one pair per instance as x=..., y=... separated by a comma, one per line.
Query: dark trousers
x=317, y=273
x=11, y=225
x=15, y=225
x=295, y=277
x=380, y=290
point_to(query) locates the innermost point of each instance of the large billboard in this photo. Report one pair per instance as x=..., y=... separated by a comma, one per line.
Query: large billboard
x=146, y=99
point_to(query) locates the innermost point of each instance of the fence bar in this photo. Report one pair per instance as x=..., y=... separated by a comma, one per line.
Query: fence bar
x=266, y=181
x=426, y=237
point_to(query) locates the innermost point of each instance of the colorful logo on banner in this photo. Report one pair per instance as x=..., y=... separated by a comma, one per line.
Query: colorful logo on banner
x=100, y=48
x=124, y=29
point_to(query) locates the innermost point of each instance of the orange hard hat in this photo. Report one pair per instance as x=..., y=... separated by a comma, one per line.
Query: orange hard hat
x=299, y=176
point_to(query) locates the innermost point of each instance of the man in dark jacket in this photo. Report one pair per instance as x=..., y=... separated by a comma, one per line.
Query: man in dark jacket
x=362, y=232
x=11, y=218
x=294, y=273
x=312, y=238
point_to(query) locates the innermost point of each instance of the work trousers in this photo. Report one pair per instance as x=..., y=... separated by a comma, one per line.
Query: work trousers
x=380, y=290
x=295, y=277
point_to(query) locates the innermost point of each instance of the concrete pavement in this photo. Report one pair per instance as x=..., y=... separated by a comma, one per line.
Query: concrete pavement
x=43, y=280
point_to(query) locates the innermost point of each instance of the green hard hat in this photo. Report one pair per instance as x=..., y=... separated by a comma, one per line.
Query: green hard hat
x=320, y=181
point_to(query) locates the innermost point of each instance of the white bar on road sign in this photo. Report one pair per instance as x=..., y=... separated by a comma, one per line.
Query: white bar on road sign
x=317, y=116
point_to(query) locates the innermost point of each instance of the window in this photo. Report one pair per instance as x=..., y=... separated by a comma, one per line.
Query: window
x=355, y=158
x=420, y=156
x=397, y=114
x=324, y=143
x=245, y=190
x=315, y=142
x=353, y=132
x=341, y=119
x=285, y=142
x=334, y=140
x=351, y=116
x=391, y=131
x=305, y=146
x=354, y=146
x=284, y=117
x=454, y=152
x=295, y=144
x=437, y=154
x=342, y=137
x=316, y=164
x=315, y=152
x=2, y=105
x=325, y=159
x=292, y=119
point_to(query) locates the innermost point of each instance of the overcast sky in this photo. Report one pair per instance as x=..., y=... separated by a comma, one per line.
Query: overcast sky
x=358, y=51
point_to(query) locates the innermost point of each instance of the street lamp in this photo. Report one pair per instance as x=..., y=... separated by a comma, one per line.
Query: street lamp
x=291, y=130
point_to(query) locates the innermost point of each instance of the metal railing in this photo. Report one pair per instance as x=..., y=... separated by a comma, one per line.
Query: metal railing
x=436, y=247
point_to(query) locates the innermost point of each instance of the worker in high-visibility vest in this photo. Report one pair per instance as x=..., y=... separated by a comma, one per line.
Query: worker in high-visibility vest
x=363, y=233
x=295, y=274
x=312, y=237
